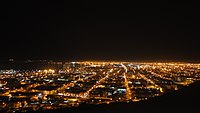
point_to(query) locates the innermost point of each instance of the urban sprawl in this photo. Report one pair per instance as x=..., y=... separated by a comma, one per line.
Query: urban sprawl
x=91, y=83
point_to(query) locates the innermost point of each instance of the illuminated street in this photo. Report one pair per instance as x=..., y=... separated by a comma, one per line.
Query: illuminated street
x=91, y=83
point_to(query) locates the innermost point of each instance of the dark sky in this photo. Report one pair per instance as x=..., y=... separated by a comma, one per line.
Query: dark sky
x=103, y=30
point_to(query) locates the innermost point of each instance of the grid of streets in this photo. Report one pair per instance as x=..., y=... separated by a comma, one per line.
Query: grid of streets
x=91, y=83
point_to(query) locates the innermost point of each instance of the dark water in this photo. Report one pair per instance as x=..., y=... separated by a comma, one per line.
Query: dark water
x=28, y=65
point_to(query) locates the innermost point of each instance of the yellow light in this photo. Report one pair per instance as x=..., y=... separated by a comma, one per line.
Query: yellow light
x=45, y=71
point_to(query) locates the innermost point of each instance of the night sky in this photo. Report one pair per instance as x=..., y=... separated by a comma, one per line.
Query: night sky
x=100, y=30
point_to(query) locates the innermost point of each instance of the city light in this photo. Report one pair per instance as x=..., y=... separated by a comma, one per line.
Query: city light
x=92, y=83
